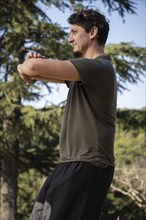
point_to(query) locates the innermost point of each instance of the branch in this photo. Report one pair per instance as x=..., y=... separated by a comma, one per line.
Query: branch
x=130, y=181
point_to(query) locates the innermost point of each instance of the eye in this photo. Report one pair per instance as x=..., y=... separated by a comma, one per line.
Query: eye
x=74, y=32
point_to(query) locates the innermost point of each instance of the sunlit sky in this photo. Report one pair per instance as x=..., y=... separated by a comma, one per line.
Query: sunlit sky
x=132, y=30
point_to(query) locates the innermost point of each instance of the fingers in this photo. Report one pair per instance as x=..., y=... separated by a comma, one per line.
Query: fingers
x=23, y=76
x=27, y=79
x=29, y=55
x=32, y=54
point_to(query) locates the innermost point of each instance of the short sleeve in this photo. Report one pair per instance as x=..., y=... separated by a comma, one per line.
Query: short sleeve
x=81, y=68
x=90, y=70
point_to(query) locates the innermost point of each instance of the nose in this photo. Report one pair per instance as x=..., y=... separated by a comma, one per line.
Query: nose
x=70, y=39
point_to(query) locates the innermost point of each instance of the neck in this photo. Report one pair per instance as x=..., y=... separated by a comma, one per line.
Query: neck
x=94, y=51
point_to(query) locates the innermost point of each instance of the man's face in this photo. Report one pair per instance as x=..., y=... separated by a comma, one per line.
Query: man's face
x=79, y=39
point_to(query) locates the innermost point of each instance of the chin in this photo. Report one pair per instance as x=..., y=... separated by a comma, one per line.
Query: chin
x=77, y=54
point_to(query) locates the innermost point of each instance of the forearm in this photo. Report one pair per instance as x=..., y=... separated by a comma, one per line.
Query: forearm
x=31, y=69
x=46, y=79
x=49, y=69
x=29, y=78
x=40, y=67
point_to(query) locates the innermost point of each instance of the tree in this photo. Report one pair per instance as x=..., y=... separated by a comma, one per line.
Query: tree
x=16, y=37
x=126, y=198
x=131, y=181
x=128, y=60
x=130, y=136
x=19, y=32
x=129, y=178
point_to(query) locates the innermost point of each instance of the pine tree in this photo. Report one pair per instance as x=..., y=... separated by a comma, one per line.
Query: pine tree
x=23, y=27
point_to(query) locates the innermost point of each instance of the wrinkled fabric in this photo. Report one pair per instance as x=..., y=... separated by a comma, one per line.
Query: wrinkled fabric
x=74, y=191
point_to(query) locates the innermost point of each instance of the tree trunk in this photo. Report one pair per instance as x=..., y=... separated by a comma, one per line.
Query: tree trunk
x=9, y=174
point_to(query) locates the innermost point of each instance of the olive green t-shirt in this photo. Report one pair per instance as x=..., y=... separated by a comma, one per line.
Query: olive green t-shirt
x=87, y=132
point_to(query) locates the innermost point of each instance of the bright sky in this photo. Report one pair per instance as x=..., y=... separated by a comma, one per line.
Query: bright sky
x=133, y=30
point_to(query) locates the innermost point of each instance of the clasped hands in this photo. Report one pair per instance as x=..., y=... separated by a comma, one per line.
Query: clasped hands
x=27, y=78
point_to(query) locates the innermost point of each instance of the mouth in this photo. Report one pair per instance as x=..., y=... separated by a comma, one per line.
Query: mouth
x=74, y=45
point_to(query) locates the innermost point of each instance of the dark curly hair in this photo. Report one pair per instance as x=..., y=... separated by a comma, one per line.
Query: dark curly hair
x=89, y=18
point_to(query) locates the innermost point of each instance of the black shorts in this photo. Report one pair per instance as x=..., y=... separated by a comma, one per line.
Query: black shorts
x=74, y=191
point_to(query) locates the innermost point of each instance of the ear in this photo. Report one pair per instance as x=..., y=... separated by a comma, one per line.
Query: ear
x=93, y=32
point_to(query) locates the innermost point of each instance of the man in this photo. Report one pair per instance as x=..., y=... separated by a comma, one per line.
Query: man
x=79, y=184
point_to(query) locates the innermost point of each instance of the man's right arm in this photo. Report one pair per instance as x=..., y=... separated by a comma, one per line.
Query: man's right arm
x=48, y=70
x=32, y=54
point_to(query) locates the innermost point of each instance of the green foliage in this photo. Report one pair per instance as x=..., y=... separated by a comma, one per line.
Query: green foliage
x=29, y=184
x=121, y=207
x=129, y=62
x=130, y=119
x=131, y=146
x=122, y=6
x=39, y=137
x=130, y=136
x=129, y=151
